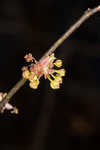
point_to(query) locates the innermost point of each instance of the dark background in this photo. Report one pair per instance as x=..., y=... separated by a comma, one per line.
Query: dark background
x=64, y=119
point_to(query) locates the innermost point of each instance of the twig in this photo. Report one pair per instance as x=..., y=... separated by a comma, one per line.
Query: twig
x=74, y=27
x=15, y=88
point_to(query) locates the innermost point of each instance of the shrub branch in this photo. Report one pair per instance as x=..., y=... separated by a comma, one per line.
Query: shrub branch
x=73, y=28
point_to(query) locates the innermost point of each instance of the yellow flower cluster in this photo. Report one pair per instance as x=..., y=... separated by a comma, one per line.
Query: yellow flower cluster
x=34, y=81
x=46, y=68
x=57, y=79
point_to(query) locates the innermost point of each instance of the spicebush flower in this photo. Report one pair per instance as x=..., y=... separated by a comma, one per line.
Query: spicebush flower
x=45, y=67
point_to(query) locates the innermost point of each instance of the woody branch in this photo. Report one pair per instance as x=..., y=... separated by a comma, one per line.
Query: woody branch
x=73, y=28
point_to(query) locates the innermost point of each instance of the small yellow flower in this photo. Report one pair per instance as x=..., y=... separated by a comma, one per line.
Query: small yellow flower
x=58, y=63
x=58, y=79
x=55, y=84
x=34, y=84
x=61, y=72
x=33, y=77
x=26, y=74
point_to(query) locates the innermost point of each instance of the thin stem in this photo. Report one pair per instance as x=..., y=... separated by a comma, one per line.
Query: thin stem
x=12, y=92
x=74, y=27
x=16, y=87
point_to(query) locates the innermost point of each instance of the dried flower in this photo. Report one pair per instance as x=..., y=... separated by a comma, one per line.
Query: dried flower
x=45, y=67
x=7, y=106
x=29, y=57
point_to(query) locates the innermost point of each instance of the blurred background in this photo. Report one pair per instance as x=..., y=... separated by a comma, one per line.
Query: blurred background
x=62, y=119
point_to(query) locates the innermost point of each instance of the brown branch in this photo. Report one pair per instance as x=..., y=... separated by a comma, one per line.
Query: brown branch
x=73, y=28
x=12, y=92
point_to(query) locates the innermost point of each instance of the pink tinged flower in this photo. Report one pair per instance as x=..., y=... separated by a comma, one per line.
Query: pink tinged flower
x=7, y=106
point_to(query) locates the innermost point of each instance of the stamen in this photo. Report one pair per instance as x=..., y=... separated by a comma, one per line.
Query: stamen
x=49, y=78
x=58, y=63
x=61, y=72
